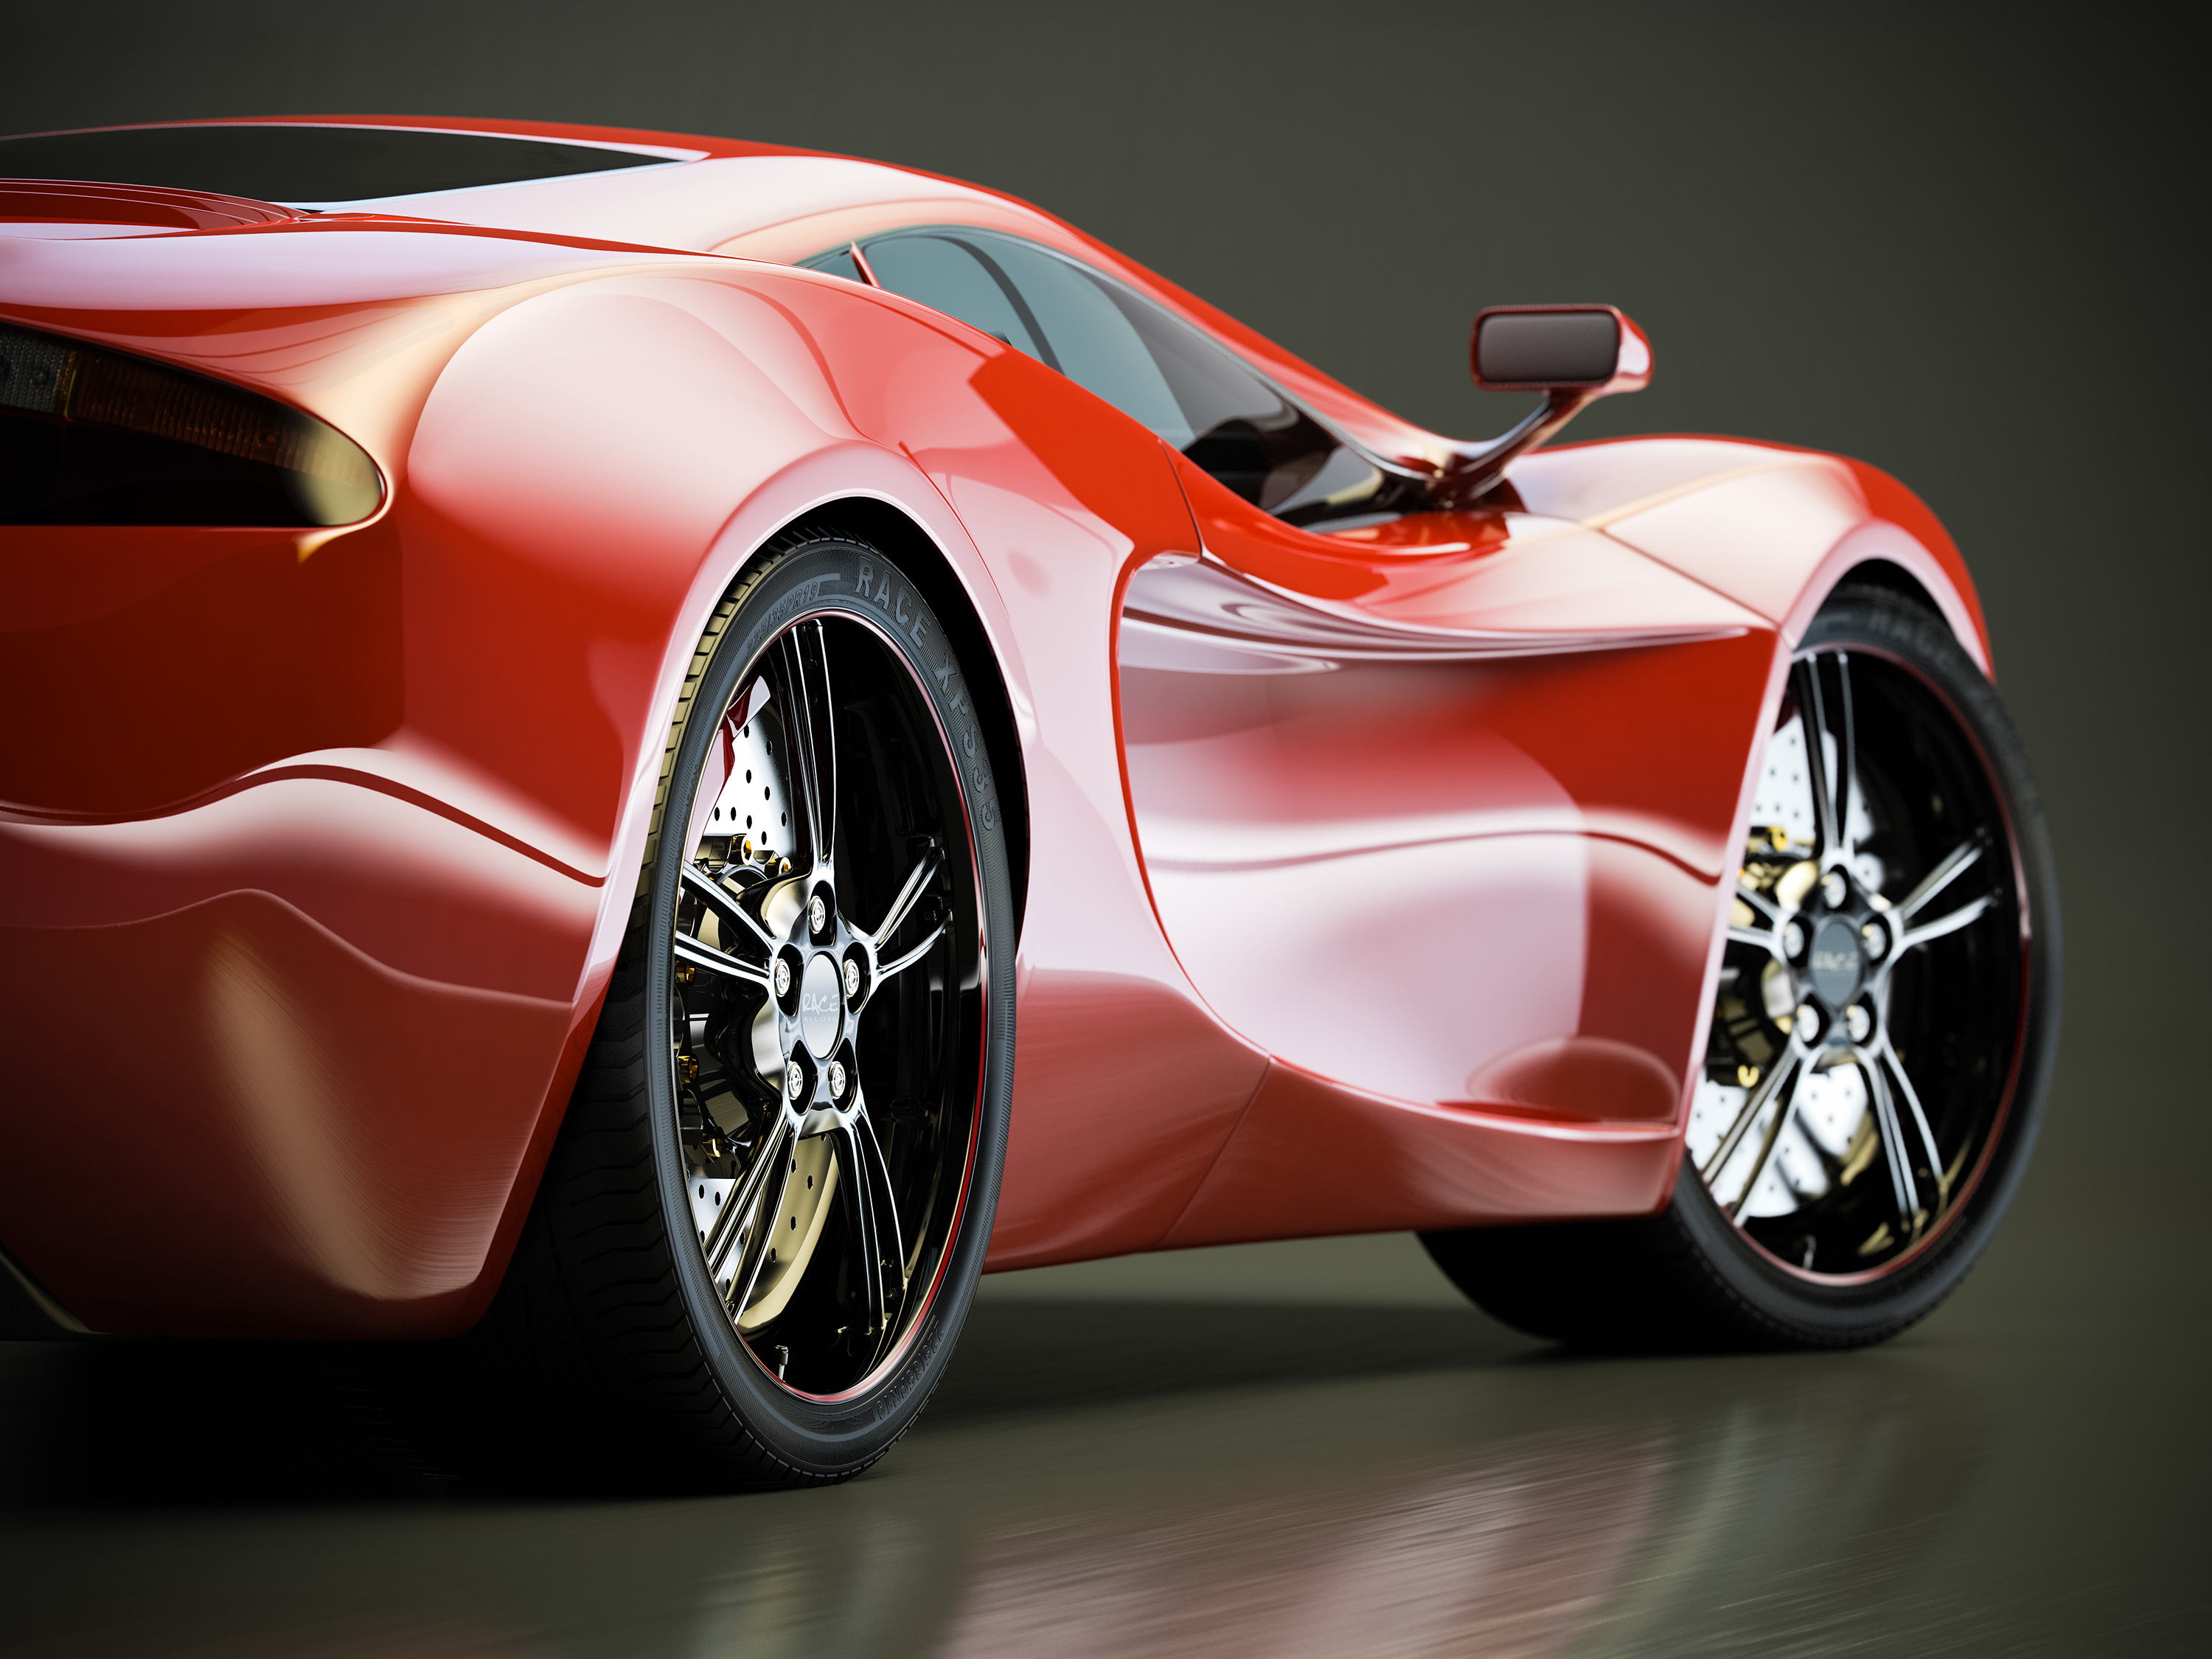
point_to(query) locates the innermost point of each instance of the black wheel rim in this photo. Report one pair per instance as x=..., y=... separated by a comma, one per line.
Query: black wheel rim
x=1866, y=1036
x=826, y=1006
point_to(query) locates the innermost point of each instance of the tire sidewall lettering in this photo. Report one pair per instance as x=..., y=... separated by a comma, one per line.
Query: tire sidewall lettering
x=903, y=612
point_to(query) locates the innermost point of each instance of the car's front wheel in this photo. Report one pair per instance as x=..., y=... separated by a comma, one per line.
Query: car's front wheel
x=1881, y=1040
x=763, y=1223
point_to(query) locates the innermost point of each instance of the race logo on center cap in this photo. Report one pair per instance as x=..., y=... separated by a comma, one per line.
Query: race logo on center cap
x=821, y=1004
x=1835, y=962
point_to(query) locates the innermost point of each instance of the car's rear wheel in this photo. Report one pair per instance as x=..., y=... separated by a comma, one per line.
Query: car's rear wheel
x=763, y=1220
x=1881, y=1040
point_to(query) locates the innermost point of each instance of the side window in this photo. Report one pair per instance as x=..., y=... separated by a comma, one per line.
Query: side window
x=949, y=275
x=1093, y=341
x=838, y=262
x=1147, y=362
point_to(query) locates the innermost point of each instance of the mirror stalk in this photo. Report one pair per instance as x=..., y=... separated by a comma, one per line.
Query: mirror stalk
x=1574, y=354
x=1472, y=469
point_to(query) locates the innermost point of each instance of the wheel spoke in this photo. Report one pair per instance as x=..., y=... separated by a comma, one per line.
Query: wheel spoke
x=1760, y=903
x=879, y=1171
x=860, y=1212
x=1812, y=711
x=690, y=950
x=740, y=1216
x=1950, y=922
x=887, y=971
x=1846, y=756
x=1886, y=1060
x=1754, y=1104
x=1763, y=939
x=1774, y=1140
x=813, y=737
x=916, y=880
x=724, y=903
x=1953, y=865
x=1893, y=1150
x=778, y=1181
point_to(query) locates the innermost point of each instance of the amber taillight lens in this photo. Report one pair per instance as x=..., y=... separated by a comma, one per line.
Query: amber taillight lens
x=89, y=436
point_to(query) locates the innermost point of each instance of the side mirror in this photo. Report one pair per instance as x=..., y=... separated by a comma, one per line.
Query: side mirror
x=1592, y=350
x=1574, y=354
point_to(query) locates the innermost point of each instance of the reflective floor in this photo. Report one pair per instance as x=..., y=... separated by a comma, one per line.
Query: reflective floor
x=1292, y=1450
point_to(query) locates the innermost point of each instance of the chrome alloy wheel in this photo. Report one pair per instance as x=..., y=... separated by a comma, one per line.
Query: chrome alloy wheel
x=825, y=967
x=1866, y=1034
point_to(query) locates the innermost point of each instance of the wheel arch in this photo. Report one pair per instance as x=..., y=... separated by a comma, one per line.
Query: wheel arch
x=853, y=488
x=1889, y=577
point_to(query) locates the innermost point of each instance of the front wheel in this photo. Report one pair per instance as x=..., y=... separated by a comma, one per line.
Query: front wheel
x=763, y=1220
x=1880, y=1040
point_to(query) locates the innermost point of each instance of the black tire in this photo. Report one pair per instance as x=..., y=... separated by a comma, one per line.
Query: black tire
x=608, y=1315
x=1694, y=1276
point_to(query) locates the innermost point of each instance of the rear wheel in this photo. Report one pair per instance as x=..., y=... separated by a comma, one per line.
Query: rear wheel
x=764, y=1218
x=1880, y=1040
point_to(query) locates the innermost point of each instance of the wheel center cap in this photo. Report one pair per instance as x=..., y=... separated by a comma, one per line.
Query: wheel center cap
x=1836, y=964
x=821, y=1004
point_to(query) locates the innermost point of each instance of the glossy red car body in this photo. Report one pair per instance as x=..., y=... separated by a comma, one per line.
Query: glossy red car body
x=1423, y=940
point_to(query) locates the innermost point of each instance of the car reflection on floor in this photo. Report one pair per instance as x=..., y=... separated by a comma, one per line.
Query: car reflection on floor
x=1174, y=1475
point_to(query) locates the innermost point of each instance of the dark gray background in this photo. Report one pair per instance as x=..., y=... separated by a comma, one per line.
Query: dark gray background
x=1955, y=246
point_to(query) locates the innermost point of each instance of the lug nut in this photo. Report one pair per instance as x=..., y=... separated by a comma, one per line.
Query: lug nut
x=836, y=1079
x=1808, y=1021
x=852, y=979
x=1793, y=940
x=794, y=1080
x=1858, y=1021
x=782, y=977
x=1835, y=888
x=818, y=913
x=1877, y=939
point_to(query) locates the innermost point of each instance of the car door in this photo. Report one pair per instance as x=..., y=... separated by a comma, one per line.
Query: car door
x=1436, y=807
x=1440, y=807
x=1438, y=812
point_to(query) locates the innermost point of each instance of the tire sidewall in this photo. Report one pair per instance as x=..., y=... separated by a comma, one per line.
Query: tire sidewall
x=1802, y=1309
x=832, y=576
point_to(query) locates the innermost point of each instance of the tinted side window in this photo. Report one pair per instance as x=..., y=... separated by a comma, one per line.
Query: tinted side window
x=946, y=276
x=1240, y=428
x=1093, y=340
x=1146, y=362
x=838, y=262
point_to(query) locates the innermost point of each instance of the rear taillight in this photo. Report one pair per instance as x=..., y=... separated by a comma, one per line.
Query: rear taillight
x=89, y=436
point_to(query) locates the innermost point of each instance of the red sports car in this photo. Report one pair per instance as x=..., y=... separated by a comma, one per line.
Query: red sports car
x=661, y=750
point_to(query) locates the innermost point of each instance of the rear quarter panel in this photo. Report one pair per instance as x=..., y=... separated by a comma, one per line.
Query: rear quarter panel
x=306, y=1011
